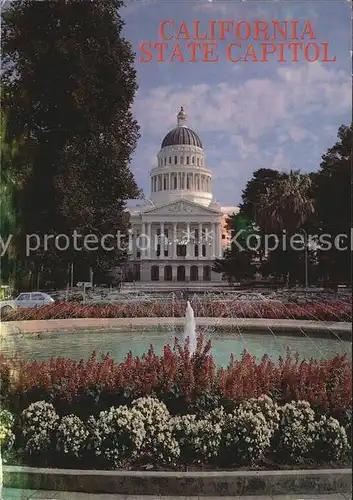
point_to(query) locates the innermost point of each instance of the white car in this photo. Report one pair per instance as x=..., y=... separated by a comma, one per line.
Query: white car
x=26, y=301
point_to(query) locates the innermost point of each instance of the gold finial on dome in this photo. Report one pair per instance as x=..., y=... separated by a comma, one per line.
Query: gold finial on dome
x=181, y=116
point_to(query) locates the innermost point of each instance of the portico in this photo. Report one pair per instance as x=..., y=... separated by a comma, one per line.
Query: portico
x=180, y=247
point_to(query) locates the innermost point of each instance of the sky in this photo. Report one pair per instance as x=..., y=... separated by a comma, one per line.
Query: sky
x=248, y=115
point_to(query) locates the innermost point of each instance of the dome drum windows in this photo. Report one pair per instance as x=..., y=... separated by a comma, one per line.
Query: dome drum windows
x=181, y=181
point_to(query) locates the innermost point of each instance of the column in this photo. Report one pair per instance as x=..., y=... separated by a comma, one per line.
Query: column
x=213, y=242
x=200, y=241
x=187, y=272
x=219, y=240
x=142, y=240
x=149, y=233
x=216, y=240
x=132, y=242
x=188, y=240
x=174, y=240
x=162, y=241
x=169, y=182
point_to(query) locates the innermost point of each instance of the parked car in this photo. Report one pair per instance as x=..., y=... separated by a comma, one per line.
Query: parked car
x=26, y=301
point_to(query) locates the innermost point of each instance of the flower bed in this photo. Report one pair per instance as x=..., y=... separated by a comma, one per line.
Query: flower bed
x=255, y=433
x=329, y=311
x=186, y=384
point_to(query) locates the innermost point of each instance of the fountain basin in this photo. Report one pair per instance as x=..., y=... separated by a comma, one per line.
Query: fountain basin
x=77, y=338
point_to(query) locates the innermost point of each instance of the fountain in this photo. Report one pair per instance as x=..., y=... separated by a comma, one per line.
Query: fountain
x=229, y=333
x=190, y=328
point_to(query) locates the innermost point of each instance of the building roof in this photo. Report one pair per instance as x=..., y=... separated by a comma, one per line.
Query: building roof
x=181, y=134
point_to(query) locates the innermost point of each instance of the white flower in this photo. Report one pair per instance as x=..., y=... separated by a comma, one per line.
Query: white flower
x=39, y=422
x=296, y=431
x=116, y=434
x=330, y=439
x=246, y=435
x=71, y=436
x=199, y=439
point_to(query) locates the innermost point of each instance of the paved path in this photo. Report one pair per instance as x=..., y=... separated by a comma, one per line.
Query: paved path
x=34, y=326
x=15, y=494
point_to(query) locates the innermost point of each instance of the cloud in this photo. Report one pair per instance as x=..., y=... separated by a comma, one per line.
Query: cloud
x=253, y=107
x=281, y=121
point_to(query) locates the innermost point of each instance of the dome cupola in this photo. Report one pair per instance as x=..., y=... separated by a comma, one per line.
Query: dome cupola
x=182, y=134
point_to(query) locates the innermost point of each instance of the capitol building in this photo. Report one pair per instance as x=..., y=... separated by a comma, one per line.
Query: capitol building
x=180, y=231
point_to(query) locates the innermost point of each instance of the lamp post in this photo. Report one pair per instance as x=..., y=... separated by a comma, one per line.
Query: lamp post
x=306, y=258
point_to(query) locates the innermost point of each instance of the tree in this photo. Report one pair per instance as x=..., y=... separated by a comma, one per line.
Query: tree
x=237, y=261
x=333, y=195
x=287, y=204
x=256, y=187
x=283, y=212
x=70, y=84
x=9, y=217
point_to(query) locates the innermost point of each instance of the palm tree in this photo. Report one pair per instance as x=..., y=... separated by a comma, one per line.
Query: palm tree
x=286, y=205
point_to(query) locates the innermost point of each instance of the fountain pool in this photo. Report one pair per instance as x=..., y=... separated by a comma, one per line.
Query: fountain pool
x=79, y=344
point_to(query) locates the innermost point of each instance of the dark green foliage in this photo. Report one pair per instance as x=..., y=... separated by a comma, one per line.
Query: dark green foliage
x=312, y=204
x=256, y=187
x=70, y=84
x=333, y=194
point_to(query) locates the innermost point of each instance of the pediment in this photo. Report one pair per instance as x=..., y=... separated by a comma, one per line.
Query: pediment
x=182, y=207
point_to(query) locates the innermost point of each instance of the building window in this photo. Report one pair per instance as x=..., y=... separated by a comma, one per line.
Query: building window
x=207, y=273
x=175, y=160
x=223, y=236
x=194, y=273
x=165, y=161
x=168, y=273
x=196, y=250
x=154, y=273
x=165, y=183
x=187, y=160
x=203, y=250
x=187, y=182
x=138, y=254
x=175, y=182
x=158, y=250
x=193, y=160
x=181, y=273
x=181, y=250
x=182, y=160
x=170, y=159
x=198, y=162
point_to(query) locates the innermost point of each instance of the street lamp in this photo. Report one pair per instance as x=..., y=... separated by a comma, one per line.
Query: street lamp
x=306, y=258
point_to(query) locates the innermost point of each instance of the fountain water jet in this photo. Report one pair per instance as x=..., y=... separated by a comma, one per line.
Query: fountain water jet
x=190, y=328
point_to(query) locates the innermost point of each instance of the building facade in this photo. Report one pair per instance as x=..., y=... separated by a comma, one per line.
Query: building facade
x=179, y=232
